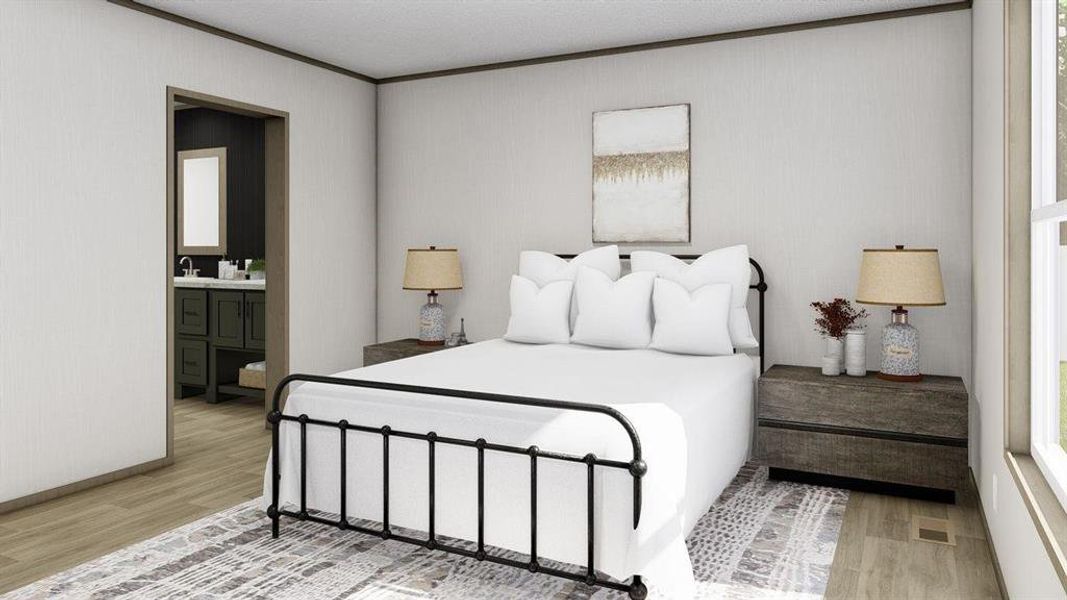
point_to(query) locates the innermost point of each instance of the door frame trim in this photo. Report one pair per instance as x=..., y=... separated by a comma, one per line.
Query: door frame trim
x=276, y=199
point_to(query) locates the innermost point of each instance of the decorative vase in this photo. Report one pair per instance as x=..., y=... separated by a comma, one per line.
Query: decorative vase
x=856, y=352
x=831, y=366
x=835, y=349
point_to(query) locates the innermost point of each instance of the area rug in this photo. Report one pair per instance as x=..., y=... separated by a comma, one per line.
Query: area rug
x=761, y=539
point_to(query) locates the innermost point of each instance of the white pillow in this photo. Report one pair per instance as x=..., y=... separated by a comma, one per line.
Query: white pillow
x=544, y=268
x=613, y=314
x=539, y=315
x=728, y=265
x=691, y=323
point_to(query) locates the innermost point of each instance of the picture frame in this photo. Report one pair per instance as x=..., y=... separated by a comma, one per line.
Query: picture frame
x=641, y=175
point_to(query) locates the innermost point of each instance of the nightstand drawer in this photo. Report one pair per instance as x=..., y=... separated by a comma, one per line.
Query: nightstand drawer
x=870, y=458
x=841, y=402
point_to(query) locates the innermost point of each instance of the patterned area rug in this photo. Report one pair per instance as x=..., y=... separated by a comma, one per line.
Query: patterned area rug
x=762, y=539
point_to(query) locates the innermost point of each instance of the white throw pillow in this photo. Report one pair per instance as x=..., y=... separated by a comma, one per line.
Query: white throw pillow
x=539, y=315
x=544, y=268
x=613, y=314
x=691, y=323
x=728, y=265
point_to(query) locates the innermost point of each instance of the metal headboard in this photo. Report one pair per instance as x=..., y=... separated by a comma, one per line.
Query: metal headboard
x=760, y=286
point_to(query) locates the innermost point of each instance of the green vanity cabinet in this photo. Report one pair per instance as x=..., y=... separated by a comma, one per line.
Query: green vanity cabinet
x=190, y=311
x=191, y=358
x=217, y=331
x=255, y=320
x=228, y=319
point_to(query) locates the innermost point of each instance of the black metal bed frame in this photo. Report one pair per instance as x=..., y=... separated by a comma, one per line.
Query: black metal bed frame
x=635, y=467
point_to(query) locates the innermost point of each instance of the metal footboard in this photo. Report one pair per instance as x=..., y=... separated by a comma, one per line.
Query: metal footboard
x=635, y=467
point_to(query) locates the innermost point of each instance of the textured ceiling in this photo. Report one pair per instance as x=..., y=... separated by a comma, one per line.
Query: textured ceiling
x=388, y=38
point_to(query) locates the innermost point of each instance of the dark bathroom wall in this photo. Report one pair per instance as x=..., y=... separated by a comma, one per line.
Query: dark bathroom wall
x=242, y=137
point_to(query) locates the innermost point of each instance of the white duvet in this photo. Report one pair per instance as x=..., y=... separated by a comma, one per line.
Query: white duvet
x=693, y=415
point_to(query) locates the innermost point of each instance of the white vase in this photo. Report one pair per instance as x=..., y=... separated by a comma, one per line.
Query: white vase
x=856, y=352
x=835, y=349
x=831, y=366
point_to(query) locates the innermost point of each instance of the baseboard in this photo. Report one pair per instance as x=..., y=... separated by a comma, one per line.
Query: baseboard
x=864, y=485
x=988, y=537
x=78, y=486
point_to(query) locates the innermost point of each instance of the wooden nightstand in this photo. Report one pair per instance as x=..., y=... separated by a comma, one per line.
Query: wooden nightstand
x=863, y=432
x=395, y=350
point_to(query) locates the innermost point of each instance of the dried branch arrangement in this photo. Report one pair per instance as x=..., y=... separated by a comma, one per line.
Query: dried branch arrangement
x=834, y=318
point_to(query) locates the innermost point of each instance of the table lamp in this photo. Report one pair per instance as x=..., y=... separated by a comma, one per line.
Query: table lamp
x=900, y=277
x=432, y=269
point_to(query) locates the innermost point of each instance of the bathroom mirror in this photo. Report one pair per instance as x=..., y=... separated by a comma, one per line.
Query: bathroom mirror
x=202, y=201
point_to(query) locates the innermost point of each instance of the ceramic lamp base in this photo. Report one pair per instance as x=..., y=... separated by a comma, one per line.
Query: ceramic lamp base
x=900, y=350
x=432, y=322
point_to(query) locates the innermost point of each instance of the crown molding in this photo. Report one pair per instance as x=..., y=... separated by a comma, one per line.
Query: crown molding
x=162, y=14
x=702, y=39
x=512, y=64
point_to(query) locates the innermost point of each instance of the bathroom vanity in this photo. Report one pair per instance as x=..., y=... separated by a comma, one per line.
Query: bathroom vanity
x=220, y=326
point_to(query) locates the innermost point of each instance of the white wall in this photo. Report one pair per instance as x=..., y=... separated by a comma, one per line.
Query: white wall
x=807, y=146
x=83, y=259
x=1027, y=571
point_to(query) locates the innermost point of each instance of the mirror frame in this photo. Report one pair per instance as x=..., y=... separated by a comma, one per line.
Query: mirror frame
x=183, y=155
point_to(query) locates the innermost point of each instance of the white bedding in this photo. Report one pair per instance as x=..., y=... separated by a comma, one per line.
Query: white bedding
x=693, y=414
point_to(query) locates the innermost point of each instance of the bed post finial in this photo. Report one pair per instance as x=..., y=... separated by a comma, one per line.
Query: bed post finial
x=638, y=591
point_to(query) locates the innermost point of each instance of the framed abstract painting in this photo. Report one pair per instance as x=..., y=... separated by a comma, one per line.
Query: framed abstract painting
x=641, y=174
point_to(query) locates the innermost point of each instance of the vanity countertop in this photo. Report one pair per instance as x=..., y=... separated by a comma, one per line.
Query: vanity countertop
x=220, y=284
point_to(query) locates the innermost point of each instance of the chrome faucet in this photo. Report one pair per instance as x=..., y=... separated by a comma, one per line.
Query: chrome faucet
x=190, y=272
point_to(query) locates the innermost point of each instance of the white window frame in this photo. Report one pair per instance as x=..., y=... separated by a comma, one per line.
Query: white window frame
x=1047, y=289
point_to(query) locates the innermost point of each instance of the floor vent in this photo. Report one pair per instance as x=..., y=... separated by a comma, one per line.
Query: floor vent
x=934, y=530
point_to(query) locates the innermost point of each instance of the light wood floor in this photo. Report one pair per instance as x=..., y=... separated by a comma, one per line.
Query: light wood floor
x=878, y=558
x=220, y=452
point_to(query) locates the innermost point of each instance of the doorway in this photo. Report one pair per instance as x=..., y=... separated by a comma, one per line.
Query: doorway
x=265, y=323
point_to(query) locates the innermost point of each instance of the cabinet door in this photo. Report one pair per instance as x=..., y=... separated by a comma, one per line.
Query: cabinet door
x=191, y=357
x=255, y=320
x=190, y=308
x=227, y=319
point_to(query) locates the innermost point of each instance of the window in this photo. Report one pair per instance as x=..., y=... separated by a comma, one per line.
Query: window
x=1048, y=236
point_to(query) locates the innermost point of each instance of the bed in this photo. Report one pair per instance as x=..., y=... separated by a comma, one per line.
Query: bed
x=562, y=453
